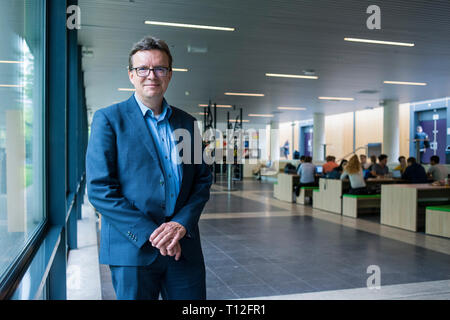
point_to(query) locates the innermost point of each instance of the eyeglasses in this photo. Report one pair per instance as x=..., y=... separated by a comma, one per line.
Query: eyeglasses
x=145, y=72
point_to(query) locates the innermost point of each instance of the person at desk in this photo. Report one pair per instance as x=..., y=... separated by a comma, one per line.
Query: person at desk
x=437, y=171
x=306, y=173
x=363, y=160
x=402, y=164
x=380, y=169
x=423, y=142
x=330, y=164
x=354, y=172
x=336, y=172
x=414, y=173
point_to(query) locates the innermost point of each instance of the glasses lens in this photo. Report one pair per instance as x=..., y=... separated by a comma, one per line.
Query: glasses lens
x=142, y=72
x=160, y=71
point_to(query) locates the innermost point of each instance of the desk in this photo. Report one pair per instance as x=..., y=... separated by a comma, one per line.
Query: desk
x=329, y=197
x=284, y=188
x=403, y=205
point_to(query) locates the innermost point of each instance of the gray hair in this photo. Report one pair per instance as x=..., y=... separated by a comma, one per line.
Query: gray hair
x=149, y=43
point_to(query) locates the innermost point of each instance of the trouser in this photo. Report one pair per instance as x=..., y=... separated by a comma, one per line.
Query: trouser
x=174, y=280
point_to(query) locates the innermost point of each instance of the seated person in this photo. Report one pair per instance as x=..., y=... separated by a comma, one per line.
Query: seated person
x=414, y=172
x=364, y=164
x=437, y=171
x=302, y=160
x=373, y=161
x=380, y=169
x=330, y=165
x=402, y=164
x=307, y=175
x=353, y=171
x=289, y=168
x=336, y=172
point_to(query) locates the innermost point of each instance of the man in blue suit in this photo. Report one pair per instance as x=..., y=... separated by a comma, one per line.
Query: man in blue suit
x=150, y=202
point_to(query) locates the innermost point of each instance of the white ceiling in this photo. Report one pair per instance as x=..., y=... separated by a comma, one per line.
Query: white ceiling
x=273, y=37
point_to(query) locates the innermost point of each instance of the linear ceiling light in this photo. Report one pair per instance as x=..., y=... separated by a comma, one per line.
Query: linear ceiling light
x=406, y=83
x=218, y=106
x=11, y=86
x=291, y=76
x=183, y=25
x=259, y=115
x=336, y=98
x=244, y=94
x=6, y=61
x=234, y=120
x=404, y=44
x=180, y=69
x=126, y=89
x=291, y=108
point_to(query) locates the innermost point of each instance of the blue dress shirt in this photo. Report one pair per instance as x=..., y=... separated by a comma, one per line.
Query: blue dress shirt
x=162, y=134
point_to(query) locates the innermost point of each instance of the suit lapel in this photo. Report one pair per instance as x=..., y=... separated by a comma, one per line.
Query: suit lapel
x=137, y=121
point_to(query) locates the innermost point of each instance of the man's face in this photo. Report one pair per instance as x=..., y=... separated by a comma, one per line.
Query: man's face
x=151, y=86
x=384, y=161
x=403, y=161
x=363, y=159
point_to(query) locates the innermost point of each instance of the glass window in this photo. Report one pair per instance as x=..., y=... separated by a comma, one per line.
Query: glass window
x=21, y=125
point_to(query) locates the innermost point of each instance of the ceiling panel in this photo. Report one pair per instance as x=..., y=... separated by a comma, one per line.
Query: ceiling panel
x=273, y=37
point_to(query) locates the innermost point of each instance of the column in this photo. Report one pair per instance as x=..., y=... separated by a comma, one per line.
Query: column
x=274, y=142
x=391, y=133
x=318, y=136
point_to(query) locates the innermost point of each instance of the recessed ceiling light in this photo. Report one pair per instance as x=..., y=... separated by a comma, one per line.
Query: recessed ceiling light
x=244, y=94
x=291, y=108
x=406, y=83
x=392, y=43
x=259, y=115
x=218, y=106
x=184, y=25
x=180, y=69
x=6, y=61
x=291, y=76
x=336, y=98
x=126, y=89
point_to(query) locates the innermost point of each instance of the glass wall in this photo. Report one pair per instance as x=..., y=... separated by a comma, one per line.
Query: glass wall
x=21, y=125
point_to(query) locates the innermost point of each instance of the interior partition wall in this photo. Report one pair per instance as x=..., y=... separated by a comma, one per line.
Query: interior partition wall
x=43, y=138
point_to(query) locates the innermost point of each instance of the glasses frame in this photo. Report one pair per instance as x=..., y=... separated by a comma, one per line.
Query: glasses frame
x=166, y=69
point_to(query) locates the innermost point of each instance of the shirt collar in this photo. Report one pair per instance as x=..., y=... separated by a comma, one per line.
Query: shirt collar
x=166, y=109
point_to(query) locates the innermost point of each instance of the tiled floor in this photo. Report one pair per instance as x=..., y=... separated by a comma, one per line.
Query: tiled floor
x=257, y=246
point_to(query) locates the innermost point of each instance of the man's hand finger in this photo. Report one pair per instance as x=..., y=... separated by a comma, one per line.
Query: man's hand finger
x=178, y=251
x=174, y=241
x=159, y=237
x=163, y=242
x=163, y=251
x=157, y=232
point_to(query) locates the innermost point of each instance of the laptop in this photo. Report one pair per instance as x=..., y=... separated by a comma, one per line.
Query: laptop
x=396, y=174
x=319, y=169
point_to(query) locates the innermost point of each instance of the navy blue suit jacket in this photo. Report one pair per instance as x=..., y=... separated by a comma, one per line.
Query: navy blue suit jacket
x=125, y=185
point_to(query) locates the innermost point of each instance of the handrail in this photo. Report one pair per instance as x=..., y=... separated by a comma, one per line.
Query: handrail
x=362, y=147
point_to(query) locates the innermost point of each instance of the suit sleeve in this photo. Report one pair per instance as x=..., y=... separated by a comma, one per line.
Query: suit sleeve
x=189, y=215
x=104, y=190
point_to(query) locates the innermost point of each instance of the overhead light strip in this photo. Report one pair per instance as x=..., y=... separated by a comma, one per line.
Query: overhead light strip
x=184, y=25
x=260, y=115
x=6, y=61
x=126, y=89
x=336, y=98
x=218, y=105
x=291, y=76
x=180, y=69
x=406, y=83
x=234, y=120
x=12, y=85
x=392, y=43
x=291, y=108
x=244, y=94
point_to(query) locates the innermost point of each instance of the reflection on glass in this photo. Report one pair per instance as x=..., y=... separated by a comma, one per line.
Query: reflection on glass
x=21, y=125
